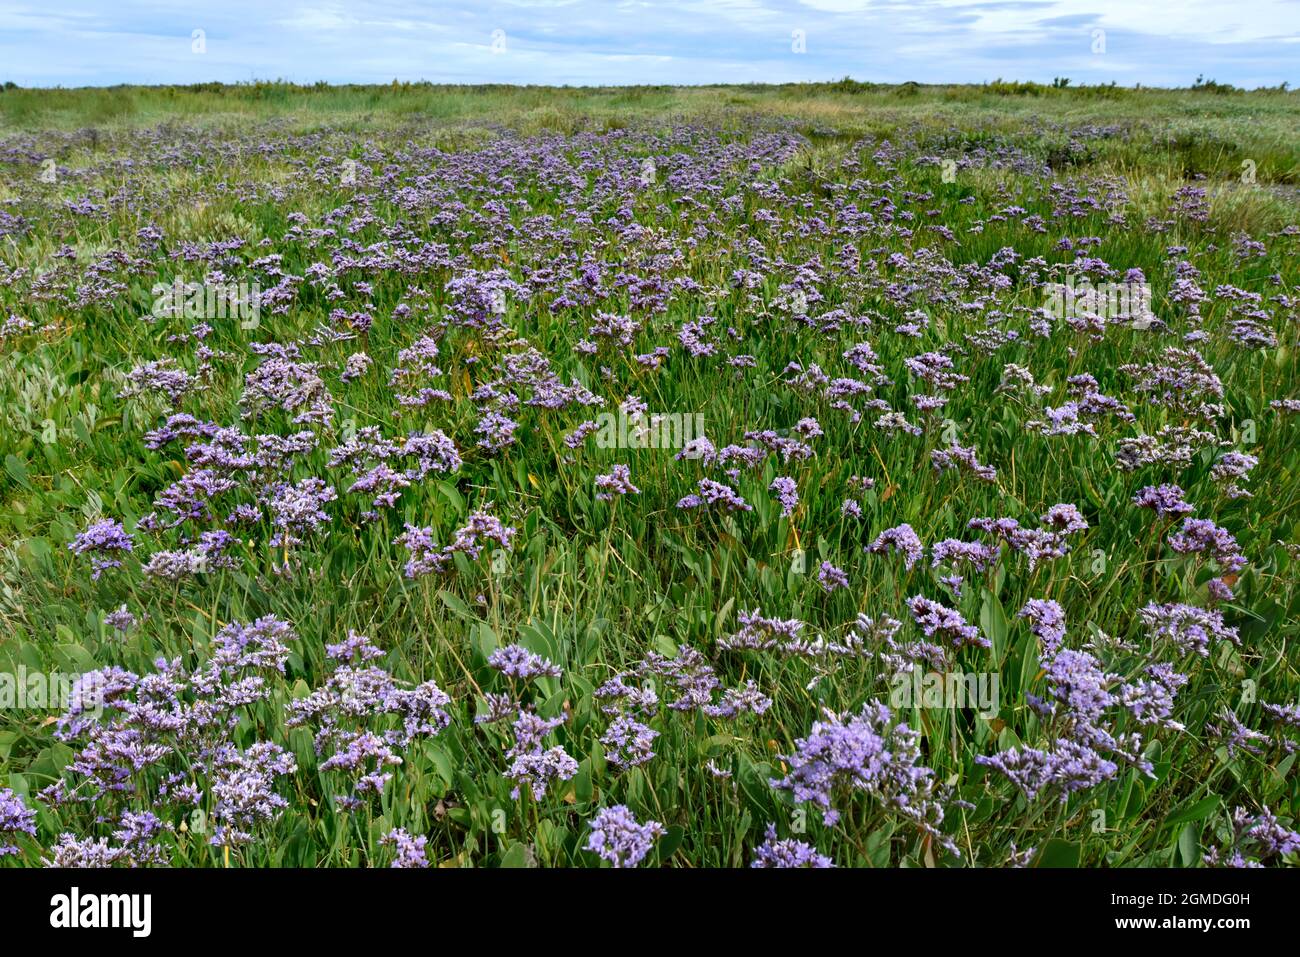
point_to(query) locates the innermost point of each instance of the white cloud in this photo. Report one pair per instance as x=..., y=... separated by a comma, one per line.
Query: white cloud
x=665, y=41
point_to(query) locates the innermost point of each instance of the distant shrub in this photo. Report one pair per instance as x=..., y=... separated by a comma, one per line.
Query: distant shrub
x=1213, y=86
x=1001, y=87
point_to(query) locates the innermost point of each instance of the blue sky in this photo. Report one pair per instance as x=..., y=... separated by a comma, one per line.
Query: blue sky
x=1153, y=42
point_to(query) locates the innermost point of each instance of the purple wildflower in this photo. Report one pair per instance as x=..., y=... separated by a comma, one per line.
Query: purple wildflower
x=617, y=482
x=775, y=852
x=939, y=621
x=787, y=493
x=618, y=838
x=830, y=577
x=516, y=661
x=410, y=850
x=15, y=818
x=105, y=540
x=903, y=539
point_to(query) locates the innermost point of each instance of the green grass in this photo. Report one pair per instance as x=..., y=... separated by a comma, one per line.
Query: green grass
x=595, y=585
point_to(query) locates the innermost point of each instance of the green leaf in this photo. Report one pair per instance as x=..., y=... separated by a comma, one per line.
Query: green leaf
x=1189, y=845
x=1197, y=812
x=453, y=496
x=665, y=646
x=1058, y=853
x=1277, y=775
x=441, y=763
x=517, y=856
x=993, y=622
x=17, y=470
x=488, y=641
x=669, y=843
x=720, y=620
x=582, y=786
x=456, y=605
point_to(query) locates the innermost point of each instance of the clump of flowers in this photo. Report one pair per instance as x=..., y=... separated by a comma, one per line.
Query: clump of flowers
x=761, y=633
x=1084, y=750
x=120, y=620
x=1164, y=500
x=831, y=577
x=1046, y=621
x=868, y=753
x=957, y=457
x=901, y=538
x=715, y=495
x=944, y=624
x=410, y=851
x=516, y=661
x=105, y=540
x=787, y=493
x=628, y=742
x=787, y=852
x=1037, y=544
x=1191, y=629
x=1253, y=839
x=15, y=818
x=533, y=764
x=363, y=718
x=617, y=482
x=618, y=838
x=427, y=556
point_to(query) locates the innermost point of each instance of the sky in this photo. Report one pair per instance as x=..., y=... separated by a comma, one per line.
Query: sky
x=1246, y=43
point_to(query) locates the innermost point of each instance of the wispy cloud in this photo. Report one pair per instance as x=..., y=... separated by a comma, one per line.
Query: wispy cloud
x=1156, y=42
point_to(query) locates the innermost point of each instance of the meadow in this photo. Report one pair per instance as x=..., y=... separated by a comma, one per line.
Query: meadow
x=807, y=475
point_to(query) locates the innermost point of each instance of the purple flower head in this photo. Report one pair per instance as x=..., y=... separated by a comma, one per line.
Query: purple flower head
x=299, y=509
x=1064, y=519
x=243, y=791
x=831, y=577
x=481, y=526
x=903, y=539
x=618, y=838
x=120, y=620
x=1254, y=838
x=1200, y=535
x=617, y=482
x=1191, y=629
x=957, y=457
x=356, y=648
x=15, y=818
x=787, y=493
x=1151, y=699
x=105, y=540
x=716, y=494
x=1164, y=500
x=516, y=661
x=628, y=742
x=747, y=699
x=426, y=555
x=864, y=753
x=940, y=622
x=757, y=632
x=774, y=852
x=410, y=850
x=1046, y=621
x=538, y=769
